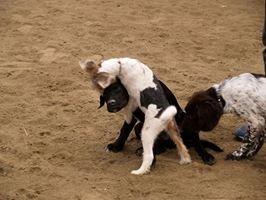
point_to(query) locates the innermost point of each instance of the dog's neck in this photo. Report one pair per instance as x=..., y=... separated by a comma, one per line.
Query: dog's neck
x=134, y=75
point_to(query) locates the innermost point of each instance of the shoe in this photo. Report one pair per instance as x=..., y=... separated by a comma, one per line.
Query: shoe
x=241, y=133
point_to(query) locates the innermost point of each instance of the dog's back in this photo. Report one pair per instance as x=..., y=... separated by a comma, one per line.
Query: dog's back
x=244, y=92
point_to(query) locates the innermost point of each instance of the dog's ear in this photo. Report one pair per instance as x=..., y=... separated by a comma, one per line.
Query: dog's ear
x=208, y=115
x=102, y=80
x=102, y=101
x=89, y=66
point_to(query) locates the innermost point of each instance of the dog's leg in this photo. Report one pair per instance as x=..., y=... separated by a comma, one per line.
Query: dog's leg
x=201, y=151
x=175, y=136
x=123, y=135
x=151, y=128
x=252, y=143
x=210, y=145
x=149, y=133
x=127, y=127
x=161, y=144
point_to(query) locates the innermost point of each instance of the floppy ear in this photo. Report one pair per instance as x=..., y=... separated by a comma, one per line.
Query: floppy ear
x=102, y=80
x=89, y=66
x=209, y=114
x=102, y=101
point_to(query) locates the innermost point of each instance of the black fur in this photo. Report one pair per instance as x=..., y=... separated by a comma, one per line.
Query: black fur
x=154, y=96
x=115, y=97
x=203, y=111
x=163, y=142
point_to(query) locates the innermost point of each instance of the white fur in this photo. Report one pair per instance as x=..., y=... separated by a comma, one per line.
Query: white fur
x=136, y=77
x=245, y=96
x=151, y=129
x=129, y=109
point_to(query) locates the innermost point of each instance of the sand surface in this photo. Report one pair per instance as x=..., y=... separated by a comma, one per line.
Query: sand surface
x=52, y=136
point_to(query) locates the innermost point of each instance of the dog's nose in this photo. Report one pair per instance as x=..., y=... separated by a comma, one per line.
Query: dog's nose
x=111, y=102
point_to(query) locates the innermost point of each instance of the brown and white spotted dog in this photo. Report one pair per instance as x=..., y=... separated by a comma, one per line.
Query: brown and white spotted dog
x=146, y=93
x=243, y=95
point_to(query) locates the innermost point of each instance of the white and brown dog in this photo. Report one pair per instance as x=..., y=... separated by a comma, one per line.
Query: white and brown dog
x=243, y=95
x=146, y=93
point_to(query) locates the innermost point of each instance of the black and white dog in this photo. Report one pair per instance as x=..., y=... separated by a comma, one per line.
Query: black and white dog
x=145, y=93
x=243, y=95
x=116, y=97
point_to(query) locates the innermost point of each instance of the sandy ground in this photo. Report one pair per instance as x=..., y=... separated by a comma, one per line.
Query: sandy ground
x=52, y=136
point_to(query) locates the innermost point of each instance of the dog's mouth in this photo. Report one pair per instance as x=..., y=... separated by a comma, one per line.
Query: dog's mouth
x=113, y=109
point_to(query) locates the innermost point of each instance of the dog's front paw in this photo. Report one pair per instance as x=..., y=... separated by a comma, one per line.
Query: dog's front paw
x=208, y=159
x=140, y=172
x=114, y=147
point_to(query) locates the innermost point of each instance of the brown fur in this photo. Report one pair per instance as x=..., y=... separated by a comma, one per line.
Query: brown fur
x=203, y=111
x=99, y=80
x=174, y=134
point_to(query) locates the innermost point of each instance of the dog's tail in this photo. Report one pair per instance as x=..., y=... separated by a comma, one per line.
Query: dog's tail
x=168, y=114
x=210, y=145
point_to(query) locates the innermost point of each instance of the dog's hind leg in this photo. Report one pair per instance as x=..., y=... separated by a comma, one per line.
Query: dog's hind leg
x=153, y=125
x=167, y=117
x=150, y=131
x=174, y=133
x=252, y=143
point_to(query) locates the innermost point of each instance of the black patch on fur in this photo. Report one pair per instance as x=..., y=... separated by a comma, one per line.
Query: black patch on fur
x=172, y=101
x=155, y=96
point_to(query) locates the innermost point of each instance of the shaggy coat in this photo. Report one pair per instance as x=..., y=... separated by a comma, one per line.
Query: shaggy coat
x=146, y=93
x=244, y=96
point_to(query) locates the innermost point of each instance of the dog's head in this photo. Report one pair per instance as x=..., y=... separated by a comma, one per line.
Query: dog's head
x=115, y=96
x=112, y=92
x=100, y=80
x=203, y=111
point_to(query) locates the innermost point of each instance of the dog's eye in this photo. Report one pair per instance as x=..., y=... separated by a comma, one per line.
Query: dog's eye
x=112, y=101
